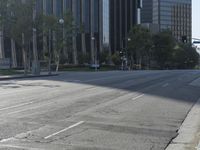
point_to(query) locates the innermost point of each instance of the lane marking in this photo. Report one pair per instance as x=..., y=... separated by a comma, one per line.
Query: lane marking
x=16, y=106
x=165, y=85
x=138, y=97
x=70, y=127
x=6, y=140
x=18, y=147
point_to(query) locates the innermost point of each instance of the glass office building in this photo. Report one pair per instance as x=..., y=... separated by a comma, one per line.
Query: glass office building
x=170, y=14
x=92, y=15
x=107, y=21
x=123, y=15
x=147, y=11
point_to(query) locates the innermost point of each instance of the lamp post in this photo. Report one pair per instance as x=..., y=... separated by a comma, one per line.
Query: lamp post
x=95, y=56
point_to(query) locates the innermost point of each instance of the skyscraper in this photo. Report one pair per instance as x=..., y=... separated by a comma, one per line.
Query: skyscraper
x=170, y=14
x=123, y=15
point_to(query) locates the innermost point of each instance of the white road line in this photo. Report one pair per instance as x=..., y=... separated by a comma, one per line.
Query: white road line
x=138, y=97
x=70, y=127
x=18, y=147
x=20, y=105
x=22, y=110
x=6, y=140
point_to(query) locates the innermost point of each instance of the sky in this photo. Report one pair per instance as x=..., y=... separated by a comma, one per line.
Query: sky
x=196, y=19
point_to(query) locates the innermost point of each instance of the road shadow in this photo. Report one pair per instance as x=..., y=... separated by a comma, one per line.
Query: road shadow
x=179, y=85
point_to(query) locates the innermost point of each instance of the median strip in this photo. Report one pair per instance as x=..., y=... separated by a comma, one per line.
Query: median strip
x=68, y=128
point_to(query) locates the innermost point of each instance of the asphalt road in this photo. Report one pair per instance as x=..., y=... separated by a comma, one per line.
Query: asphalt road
x=138, y=110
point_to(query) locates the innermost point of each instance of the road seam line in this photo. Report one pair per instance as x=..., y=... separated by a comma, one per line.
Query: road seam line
x=16, y=106
x=68, y=128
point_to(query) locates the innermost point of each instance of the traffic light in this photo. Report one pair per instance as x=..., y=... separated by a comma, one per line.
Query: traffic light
x=184, y=39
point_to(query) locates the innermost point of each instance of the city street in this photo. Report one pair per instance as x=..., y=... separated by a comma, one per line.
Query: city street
x=116, y=110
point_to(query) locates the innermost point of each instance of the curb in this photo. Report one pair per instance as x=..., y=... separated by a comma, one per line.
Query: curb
x=189, y=133
x=25, y=77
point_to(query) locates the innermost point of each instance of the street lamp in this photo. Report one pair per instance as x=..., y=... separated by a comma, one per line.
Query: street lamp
x=124, y=56
x=95, y=45
x=61, y=21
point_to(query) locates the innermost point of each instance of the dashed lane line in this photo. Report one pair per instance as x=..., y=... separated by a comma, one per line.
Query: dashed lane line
x=68, y=128
x=138, y=97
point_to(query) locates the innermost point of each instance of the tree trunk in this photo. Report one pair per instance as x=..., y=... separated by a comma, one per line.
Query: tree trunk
x=83, y=43
x=83, y=22
x=2, y=54
x=74, y=13
x=74, y=51
x=13, y=53
x=50, y=54
x=140, y=63
x=24, y=55
x=57, y=63
x=36, y=70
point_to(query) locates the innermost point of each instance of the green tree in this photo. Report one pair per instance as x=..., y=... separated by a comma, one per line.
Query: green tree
x=116, y=59
x=60, y=32
x=185, y=57
x=3, y=20
x=47, y=25
x=104, y=57
x=139, y=45
x=164, y=44
x=22, y=27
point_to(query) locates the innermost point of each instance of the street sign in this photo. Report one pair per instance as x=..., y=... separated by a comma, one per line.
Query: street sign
x=196, y=42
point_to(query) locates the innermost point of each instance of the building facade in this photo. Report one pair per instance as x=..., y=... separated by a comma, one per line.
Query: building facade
x=147, y=11
x=105, y=23
x=175, y=15
x=123, y=15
